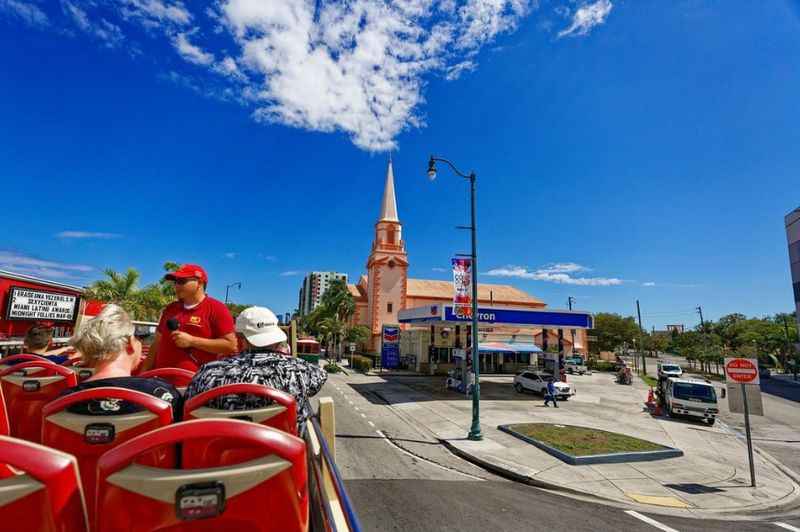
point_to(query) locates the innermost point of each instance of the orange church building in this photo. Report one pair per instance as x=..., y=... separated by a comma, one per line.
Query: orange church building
x=386, y=288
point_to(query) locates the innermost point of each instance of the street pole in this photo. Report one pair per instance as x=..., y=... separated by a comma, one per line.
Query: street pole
x=747, y=432
x=644, y=362
x=475, y=428
x=237, y=284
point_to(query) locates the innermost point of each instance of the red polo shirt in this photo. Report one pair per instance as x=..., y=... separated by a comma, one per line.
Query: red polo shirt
x=209, y=319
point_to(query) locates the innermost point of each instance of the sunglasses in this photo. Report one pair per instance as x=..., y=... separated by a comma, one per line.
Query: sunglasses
x=182, y=281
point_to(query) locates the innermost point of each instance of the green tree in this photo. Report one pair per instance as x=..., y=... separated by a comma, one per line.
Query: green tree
x=358, y=334
x=123, y=289
x=612, y=331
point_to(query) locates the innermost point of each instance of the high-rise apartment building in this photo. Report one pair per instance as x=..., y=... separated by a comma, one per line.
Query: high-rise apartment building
x=793, y=239
x=314, y=286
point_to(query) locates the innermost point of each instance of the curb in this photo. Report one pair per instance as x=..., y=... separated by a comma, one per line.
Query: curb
x=610, y=458
x=518, y=477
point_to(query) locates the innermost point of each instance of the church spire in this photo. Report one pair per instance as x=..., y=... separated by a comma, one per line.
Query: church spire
x=389, y=205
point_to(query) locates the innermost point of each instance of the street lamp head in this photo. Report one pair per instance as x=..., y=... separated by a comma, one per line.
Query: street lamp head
x=432, y=168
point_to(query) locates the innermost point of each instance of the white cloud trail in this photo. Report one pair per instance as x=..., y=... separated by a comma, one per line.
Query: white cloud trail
x=561, y=273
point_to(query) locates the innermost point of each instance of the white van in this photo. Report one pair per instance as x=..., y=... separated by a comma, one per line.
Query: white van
x=692, y=398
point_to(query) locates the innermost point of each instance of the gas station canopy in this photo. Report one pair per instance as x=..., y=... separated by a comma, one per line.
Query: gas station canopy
x=553, y=319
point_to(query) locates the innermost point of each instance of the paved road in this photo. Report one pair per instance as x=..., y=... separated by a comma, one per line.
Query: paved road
x=402, y=480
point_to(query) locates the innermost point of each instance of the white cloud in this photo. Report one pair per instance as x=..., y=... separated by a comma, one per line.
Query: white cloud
x=87, y=234
x=104, y=30
x=25, y=264
x=455, y=71
x=556, y=273
x=231, y=255
x=649, y=283
x=190, y=52
x=154, y=13
x=28, y=13
x=357, y=67
x=587, y=17
x=269, y=258
x=564, y=267
x=440, y=270
x=290, y=273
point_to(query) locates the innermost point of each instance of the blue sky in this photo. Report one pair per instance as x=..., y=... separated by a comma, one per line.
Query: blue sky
x=624, y=149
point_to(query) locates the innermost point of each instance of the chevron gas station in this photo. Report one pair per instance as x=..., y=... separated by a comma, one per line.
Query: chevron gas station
x=434, y=339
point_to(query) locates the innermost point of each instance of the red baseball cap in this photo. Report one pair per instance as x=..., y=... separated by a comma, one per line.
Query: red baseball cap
x=188, y=271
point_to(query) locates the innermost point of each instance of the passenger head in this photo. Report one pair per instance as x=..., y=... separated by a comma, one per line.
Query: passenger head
x=190, y=282
x=108, y=339
x=38, y=338
x=258, y=326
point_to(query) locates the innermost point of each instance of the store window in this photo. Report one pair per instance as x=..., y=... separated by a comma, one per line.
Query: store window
x=441, y=355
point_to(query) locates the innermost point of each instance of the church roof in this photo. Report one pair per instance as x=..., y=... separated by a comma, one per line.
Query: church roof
x=500, y=293
x=356, y=292
x=389, y=204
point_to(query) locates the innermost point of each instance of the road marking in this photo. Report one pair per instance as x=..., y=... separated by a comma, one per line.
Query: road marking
x=363, y=415
x=649, y=521
x=371, y=424
x=787, y=527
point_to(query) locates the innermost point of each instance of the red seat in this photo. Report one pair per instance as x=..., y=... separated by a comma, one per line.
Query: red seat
x=267, y=492
x=282, y=414
x=26, y=395
x=43, y=490
x=5, y=430
x=178, y=377
x=87, y=437
x=14, y=360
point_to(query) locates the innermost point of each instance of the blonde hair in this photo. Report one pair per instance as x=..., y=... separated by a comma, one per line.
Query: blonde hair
x=105, y=335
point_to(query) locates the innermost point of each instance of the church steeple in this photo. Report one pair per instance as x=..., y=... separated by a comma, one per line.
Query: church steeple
x=387, y=265
x=389, y=204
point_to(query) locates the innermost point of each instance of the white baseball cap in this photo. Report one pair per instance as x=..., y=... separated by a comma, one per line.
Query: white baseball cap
x=259, y=326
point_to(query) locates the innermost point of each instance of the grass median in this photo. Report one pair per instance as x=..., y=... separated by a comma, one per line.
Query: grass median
x=583, y=441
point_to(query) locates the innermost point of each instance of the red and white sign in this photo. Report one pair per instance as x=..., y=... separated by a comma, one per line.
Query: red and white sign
x=742, y=370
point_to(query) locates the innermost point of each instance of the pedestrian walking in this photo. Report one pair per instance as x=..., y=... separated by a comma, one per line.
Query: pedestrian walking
x=551, y=394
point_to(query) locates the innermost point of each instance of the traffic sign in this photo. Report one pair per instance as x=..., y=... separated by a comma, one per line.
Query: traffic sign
x=742, y=370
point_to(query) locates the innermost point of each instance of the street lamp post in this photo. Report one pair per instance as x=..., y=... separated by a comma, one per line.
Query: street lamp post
x=237, y=284
x=475, y=429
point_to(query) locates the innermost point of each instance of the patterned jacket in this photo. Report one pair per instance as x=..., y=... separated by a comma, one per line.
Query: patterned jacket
x=288, y=374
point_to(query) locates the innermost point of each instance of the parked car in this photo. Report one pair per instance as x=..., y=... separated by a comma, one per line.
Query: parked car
x=575, y=365
x=536, y=381
x=669, y=369
x=764, y=372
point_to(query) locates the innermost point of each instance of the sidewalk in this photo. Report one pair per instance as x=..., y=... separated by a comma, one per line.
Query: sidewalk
x=711, y=479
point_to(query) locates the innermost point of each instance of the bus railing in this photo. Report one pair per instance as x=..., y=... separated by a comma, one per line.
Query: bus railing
x=332, y=510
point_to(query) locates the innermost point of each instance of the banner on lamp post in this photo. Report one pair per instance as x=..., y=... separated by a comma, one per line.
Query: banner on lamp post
x=462, y=287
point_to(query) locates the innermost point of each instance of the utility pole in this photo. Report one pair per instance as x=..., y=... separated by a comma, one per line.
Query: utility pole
x=705, y=335
x=702, y=323
x=639, y=314
x=570, y=299
x=789, y=349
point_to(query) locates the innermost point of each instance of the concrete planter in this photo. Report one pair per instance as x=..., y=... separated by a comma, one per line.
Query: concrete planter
x=613, y=458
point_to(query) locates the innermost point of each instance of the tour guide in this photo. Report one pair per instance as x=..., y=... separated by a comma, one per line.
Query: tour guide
x=196, y=328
